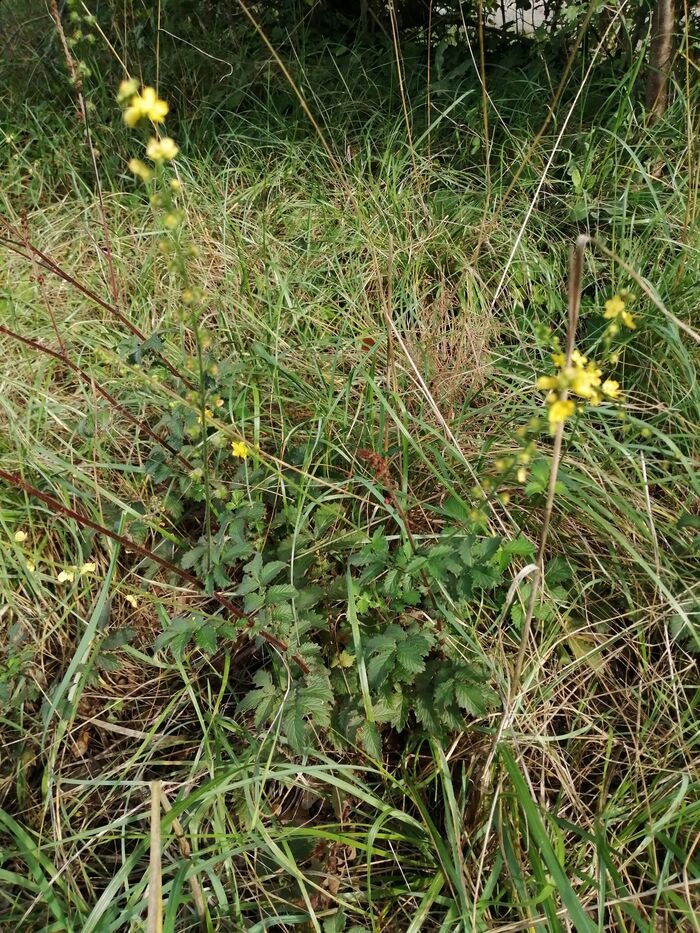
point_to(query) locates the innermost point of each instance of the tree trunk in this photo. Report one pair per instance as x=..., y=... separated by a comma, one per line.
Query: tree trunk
x=660, y=57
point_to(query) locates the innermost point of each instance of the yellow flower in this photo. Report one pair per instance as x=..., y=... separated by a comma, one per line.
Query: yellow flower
x=239, y=449
x=175, y=184
x=161, y=149
x=611, y=388
x=127, y=89
x=559, y=411
x=153, y=107
x=172, y=220
x=31, y=567
x=522, y=474
x=578, y=359
x=20, y=537
x=558, y=359
x=585, y=382
x=614, y=309
x=65, y=576
x=132, y=601
x=146, y=104
x=140, y=169
x=89, y=567
x=132, y=115
x=547, y=382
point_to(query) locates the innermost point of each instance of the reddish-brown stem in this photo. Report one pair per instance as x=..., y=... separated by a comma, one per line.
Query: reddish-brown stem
x=40, y=282
x=89, y=380
x=51, y=266
x=86, y=522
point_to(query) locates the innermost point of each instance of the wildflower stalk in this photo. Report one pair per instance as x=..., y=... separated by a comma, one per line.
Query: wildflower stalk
x=575, y=274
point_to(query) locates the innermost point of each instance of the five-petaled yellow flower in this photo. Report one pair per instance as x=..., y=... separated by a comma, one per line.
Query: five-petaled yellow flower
x=239, y=449
x=559, y=411
x=161, y=150
x=615, y=308
x=611, y=388
x=146, y=104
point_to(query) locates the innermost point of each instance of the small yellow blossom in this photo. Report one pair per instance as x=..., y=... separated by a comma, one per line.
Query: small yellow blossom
x=239, y=449
x=175, y=185
x=611, y=388
x=219, y=403
x=146, y=104
x=89, y=567
x=140, y=169
x=161, y=149
x=559, y=411
x=153, y=107
x=584, y=381
x=20, y=537
x=31, y=566
x=547, y=382
x=132, y=115
x=132, y=601
x=522, y=474
x=559, y=359
x=66, y=576
x=614, y=309
x=172, y=220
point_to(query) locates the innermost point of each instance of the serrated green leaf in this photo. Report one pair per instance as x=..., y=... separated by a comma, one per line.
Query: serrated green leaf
x=518, y=547
x=253, y=602
x=294, y=726
x=410, y=653
x=280, y=593
x=471, y=698
x=254, y=567
x=271, y=570
x=189, y=559
x=281, y=613
x=205, y=638
x=456, y=509
x=371, y=740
